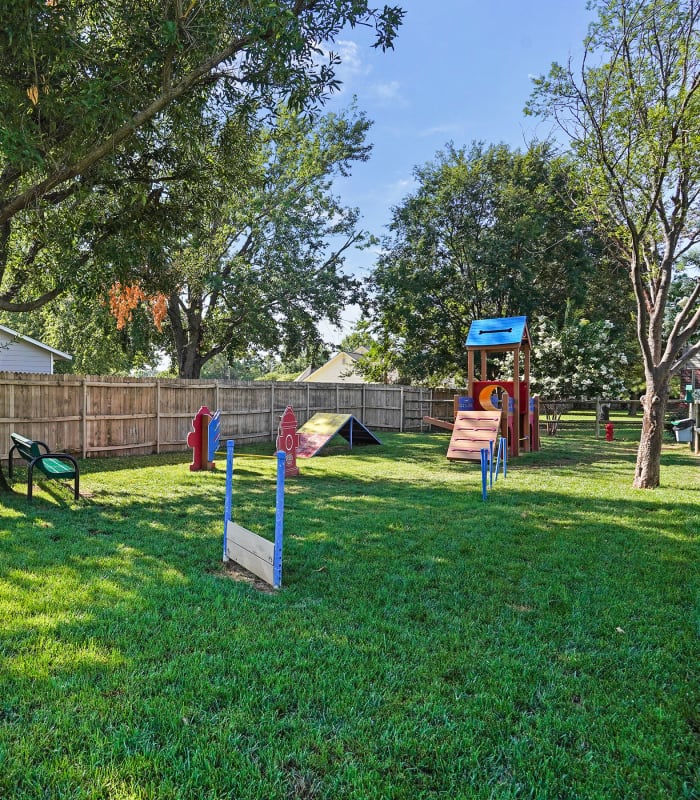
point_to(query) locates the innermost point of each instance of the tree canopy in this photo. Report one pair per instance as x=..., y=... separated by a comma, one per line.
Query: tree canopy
x=489, y=232
x=96, y=103
x=261, y=263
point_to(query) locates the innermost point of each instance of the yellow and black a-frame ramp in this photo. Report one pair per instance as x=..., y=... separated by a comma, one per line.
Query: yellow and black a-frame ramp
x=317, y=431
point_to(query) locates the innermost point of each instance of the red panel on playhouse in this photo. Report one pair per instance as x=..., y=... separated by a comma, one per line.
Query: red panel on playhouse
x=482, y=394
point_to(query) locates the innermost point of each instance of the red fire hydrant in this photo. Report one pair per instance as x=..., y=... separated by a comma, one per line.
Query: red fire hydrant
x=609, y=432
x=288, y=441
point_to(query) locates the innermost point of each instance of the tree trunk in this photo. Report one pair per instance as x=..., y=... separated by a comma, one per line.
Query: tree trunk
x=187, y=336
x=191, y=364
x=5, y=487
x=647, y=473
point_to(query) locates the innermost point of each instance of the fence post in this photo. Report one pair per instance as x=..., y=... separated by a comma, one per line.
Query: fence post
x=401, y=412
x=364, y=403
x=597, y=418
x=157, y=415
x=83, y=422
x=337, y=399
x=308, y=401
x=272, y=411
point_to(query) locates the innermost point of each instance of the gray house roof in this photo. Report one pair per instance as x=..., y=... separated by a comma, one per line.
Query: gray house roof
x=20, y=353
x=22, y=338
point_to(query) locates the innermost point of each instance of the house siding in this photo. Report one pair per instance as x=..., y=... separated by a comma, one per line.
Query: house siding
x=340, y=369
x=18, y=356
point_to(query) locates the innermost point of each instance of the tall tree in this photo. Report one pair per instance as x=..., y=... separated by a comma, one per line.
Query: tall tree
x=489, y=232
x=631, y=110
x=96, y=100
x=262, y=263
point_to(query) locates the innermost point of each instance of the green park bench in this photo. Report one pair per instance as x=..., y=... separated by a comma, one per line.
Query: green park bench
x=58, y=466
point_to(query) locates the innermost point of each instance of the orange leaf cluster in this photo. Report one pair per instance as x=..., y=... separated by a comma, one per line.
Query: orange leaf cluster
x=124, y=299
x=159, y=309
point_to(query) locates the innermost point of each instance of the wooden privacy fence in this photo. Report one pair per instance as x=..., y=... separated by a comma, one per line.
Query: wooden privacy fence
x=104, y=416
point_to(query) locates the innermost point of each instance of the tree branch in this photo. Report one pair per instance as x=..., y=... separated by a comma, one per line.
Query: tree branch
x=110, y=145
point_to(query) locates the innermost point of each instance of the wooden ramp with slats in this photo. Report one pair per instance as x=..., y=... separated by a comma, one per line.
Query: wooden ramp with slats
x=473, y=430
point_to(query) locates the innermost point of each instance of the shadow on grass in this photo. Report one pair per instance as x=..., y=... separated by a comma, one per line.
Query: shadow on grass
x=406, y=598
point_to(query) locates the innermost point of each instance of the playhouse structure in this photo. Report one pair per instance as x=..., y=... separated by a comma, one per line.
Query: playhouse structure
x=517, y=411
x=506, y=335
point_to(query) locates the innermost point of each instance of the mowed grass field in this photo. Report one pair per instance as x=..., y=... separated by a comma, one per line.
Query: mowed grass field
x=425, y=644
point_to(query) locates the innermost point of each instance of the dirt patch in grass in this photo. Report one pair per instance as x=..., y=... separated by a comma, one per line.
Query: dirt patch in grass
x=235, y=572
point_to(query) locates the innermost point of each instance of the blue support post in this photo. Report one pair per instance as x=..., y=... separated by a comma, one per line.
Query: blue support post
x=490, y=463
x=279, y=521
x=484, y=459
x=501, y=455
x=229, y=489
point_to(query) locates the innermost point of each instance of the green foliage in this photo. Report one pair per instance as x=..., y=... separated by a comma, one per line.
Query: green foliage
x=88, y=332
x=260, y=266
x=244, y=369
x=424, y=644
x=489, y=232
x=97, y=104
x=360, y=336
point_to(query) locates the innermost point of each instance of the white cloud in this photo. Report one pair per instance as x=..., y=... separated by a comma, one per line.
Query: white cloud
x=395, y=192
x=351, y=68
x=388, y=93
x=355, y=74
x=449, y=129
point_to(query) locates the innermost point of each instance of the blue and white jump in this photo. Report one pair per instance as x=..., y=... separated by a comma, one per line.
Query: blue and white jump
x=257, y=554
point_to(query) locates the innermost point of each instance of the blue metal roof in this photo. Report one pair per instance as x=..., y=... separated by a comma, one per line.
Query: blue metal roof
x=497, y=332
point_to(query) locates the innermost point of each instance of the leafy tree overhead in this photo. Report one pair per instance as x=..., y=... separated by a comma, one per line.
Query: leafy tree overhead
x=489, y=232
x=262, y=265
x=631, y=110
x=360, y=336
x=96, y=104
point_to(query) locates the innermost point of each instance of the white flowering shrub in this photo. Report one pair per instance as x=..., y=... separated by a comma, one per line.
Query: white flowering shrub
x=579, y=361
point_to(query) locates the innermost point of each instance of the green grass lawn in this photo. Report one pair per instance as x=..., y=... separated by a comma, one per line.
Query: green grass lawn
x=425, y=644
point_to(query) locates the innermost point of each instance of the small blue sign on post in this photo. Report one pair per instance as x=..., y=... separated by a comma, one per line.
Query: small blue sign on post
x=214, y=434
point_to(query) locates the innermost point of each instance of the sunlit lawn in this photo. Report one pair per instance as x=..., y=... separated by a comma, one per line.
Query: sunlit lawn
x=425, y=643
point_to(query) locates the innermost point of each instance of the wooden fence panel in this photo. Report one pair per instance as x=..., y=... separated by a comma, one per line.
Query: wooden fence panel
x=246, y=411
x=179, y=402
x=44, y=407
x=322, y=397
x=120, y=416
x=114, y=416
x=383, y=407
x=416, y=402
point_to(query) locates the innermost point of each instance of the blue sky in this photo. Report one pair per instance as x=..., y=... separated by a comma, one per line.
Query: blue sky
x=461, y=71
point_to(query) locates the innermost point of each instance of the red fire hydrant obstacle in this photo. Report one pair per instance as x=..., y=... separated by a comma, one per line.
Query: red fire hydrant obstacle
x=609, y=432
x=288, y=441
